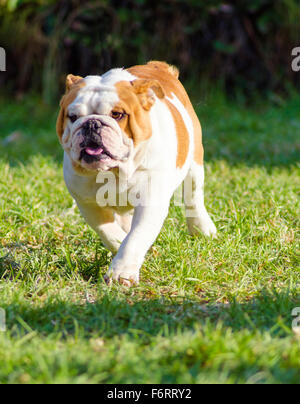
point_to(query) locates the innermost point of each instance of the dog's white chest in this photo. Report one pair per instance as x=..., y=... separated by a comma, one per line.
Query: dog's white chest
x=82, y=189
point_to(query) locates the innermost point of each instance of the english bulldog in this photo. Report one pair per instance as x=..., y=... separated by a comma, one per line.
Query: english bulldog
x=133, y=134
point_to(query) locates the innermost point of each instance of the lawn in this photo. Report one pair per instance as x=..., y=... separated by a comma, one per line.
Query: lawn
x=206, y=311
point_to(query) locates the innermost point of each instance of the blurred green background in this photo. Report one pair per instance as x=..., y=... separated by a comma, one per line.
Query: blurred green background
x=245, y=46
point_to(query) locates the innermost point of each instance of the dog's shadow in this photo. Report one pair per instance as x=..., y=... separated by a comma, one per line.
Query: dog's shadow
x=111, y=315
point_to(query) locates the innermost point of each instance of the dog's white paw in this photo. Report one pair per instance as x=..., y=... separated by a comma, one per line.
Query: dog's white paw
x=209, y=229
x=125, y=276
x=204, y=225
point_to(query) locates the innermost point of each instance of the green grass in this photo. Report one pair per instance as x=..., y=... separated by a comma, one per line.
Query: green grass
x=205, y=311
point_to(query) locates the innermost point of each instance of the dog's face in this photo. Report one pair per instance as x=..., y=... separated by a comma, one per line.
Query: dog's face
x=102, y=120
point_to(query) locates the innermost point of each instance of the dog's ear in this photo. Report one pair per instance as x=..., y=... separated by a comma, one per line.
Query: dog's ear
x=145, y=90
x=71, y=80
x=60, y=119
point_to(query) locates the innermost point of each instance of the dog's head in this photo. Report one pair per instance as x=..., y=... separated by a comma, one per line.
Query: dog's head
x=103, y=119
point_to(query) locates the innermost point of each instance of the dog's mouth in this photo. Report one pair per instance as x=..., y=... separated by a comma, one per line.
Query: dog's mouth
x=94, y=151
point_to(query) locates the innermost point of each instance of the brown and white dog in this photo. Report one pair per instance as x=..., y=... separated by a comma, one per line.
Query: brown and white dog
x=138, y=125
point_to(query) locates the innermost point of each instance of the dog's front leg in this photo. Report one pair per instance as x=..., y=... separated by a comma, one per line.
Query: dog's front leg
x=146, y=225
x=103, y=221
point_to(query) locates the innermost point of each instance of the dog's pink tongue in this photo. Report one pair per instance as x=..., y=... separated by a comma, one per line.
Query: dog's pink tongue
x=94, y=152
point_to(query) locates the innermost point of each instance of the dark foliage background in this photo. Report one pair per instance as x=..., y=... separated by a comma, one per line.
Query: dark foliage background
x=246, y=45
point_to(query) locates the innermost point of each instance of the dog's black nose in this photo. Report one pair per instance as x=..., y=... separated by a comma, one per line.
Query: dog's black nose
x=90, y=126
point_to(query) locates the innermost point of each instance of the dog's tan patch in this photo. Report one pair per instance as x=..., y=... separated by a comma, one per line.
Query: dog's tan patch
x=167, y=77
x=199, y=152
x=182, y=136
x=136, y=101
x=165, y=66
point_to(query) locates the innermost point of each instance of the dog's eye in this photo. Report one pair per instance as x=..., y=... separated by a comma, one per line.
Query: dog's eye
x=73, y=118
x=118, y=115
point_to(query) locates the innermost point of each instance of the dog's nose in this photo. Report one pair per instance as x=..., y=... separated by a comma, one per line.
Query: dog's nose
x=92, y=125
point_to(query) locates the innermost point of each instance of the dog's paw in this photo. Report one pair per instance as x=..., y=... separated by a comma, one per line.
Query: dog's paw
x=125, y=276
x=204, y=225
x=209, y=229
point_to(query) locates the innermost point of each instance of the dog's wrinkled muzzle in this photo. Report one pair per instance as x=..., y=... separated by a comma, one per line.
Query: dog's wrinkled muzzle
x=92, y=147
x=100, y=139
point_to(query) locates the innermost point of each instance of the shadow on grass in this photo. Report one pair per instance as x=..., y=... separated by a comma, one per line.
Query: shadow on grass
x=14, y=258
x=112, y=315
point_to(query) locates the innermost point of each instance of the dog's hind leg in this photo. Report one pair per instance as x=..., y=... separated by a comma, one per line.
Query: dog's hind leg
x=197, y=217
